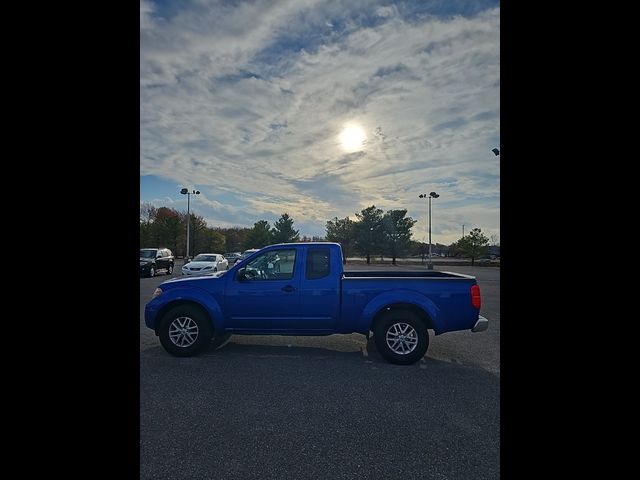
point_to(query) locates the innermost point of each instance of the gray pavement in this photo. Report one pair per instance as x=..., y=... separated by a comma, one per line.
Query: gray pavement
x=324, y=407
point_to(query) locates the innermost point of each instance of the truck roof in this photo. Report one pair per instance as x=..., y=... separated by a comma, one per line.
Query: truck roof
x=304, y=243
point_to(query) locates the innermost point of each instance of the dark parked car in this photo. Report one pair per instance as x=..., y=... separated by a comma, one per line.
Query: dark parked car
x=154, y=259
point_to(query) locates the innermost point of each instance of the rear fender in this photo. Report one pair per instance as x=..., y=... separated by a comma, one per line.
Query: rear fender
x=412, y=297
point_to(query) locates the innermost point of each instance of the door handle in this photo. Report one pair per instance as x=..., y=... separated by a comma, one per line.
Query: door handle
x=288, y=289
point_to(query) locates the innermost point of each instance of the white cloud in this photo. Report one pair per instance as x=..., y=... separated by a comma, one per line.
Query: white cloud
x=146, y=12
x=386, y=11
x=236, y=99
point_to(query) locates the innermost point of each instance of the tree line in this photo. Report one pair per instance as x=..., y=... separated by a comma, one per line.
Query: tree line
x=373, y=233
x=167, y=227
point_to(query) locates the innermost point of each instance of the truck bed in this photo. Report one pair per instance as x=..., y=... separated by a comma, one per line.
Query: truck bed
x=444, y=295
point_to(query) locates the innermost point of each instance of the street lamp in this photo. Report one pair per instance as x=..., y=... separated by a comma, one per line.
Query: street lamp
x=430, y=196
x=185, y=191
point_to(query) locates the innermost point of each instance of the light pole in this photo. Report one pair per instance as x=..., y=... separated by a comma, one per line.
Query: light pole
x=430, y=196
x=185, y=191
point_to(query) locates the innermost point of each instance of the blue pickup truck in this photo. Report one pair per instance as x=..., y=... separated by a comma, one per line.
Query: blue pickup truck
x=302, y=289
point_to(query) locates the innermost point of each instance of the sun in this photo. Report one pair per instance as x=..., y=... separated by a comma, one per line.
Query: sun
x=352, y=138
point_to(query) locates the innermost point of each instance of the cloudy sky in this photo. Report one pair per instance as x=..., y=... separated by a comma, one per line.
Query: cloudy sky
x=321, y=108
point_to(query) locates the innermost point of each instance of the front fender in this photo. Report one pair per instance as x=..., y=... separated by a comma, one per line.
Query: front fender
x=412, y=297
x=156, y=307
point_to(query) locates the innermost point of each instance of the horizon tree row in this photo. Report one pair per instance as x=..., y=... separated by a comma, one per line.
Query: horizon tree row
x=373, y=233
x=166, y=227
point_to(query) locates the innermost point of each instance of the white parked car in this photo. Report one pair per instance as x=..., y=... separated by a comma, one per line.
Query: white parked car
x=205, y=263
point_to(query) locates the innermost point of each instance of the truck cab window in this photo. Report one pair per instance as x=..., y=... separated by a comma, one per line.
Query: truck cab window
x=317, y=263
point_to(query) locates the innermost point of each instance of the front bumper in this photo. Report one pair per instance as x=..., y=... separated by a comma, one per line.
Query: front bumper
x=150, y=314
x=481, y=325
x=197, y=272
x=146, y=267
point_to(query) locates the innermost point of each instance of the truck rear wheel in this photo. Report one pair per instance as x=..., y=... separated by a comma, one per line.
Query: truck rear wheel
x=185, y=331
x=401, y=337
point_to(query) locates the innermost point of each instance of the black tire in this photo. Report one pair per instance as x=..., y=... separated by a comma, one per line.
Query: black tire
x=152, y=271
x=170, y=269
x=401, y=337
x=185, y=319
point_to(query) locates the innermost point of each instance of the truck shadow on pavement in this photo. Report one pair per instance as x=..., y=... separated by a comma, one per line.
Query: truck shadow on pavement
x=310, y=351
x=338, y=348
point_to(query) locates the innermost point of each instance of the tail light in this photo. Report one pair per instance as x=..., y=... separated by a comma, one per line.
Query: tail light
x=475, y=296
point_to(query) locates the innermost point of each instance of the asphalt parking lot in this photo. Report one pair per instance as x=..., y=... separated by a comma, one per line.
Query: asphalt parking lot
x=324, y=407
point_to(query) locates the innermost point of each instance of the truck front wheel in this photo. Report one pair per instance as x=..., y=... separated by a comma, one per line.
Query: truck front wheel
x=401, y=337
x=185, y=331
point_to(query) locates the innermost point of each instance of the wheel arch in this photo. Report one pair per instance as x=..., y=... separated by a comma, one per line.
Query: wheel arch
x=399, y=299
x=182, y=302
x=419, y=312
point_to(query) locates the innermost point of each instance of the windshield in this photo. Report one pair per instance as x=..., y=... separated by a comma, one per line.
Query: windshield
x=148, y=253
x=205, y=258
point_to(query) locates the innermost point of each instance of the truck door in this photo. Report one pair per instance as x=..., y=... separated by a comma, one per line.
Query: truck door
x=269, y=296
